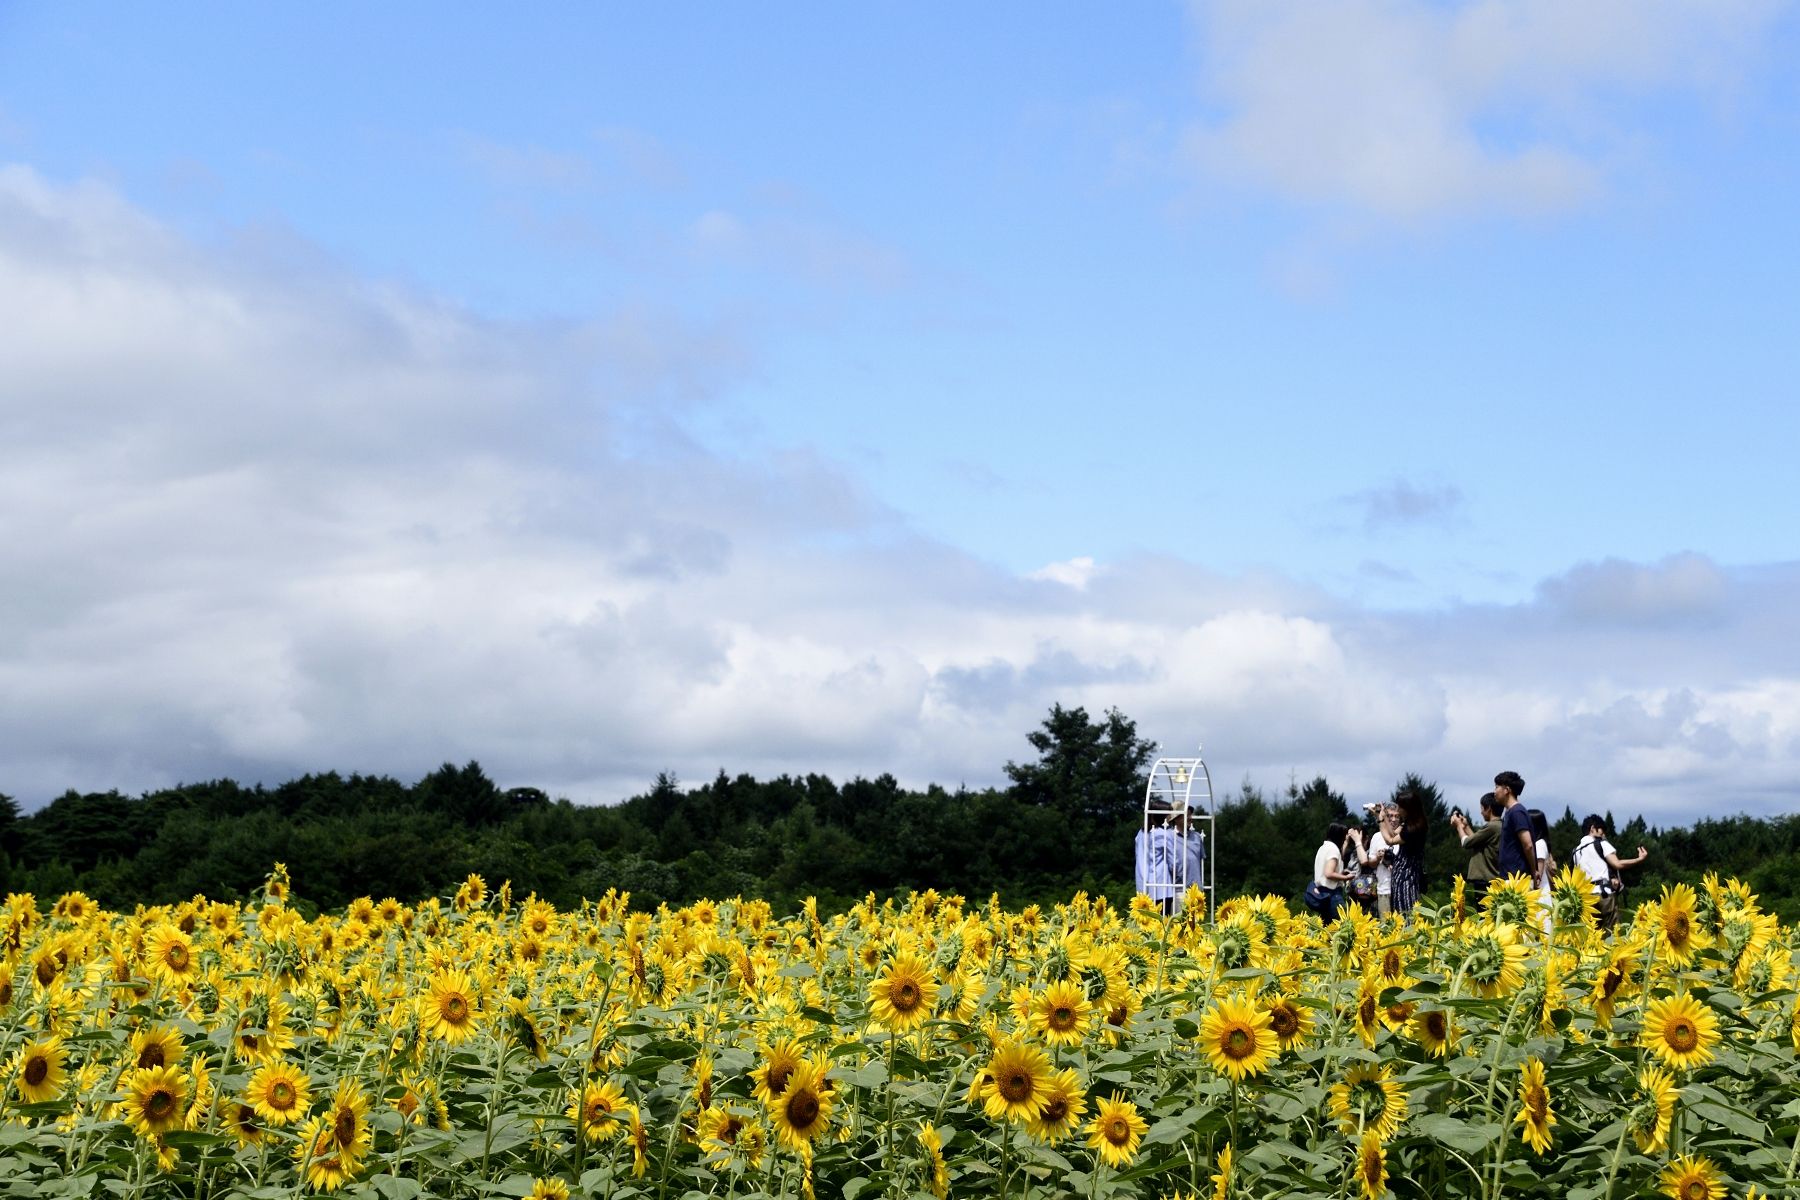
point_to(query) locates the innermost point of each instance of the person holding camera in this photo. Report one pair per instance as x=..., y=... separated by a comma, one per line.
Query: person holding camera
x=1483, y=848
x=1378, y=853
x=1601, y=863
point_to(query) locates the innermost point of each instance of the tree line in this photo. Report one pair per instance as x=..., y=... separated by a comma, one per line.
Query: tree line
x=1064, y=822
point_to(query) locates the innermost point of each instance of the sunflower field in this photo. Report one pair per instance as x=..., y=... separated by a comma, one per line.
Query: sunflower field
x=480, y=1045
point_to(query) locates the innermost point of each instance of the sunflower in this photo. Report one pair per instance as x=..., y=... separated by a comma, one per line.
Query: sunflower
x=1652, y=1115
x=636, y=1134
x=1368, y=1099
x=548, y=1189
x=1063, y=1105
x=1691, y=1178
x=1222, y=1181
x=1434, y=1030
x=1289, y=1021
x=1680, y=1031
x=1680, y=936
x=1368, y=1008
x=779, y=1062
x=1613, y=982
x=1016, y=1082
x=170, y=955
x=1572, y=897
x=157, y=1047
x=262, y=1033
x=325, y=1163
x=1238, y=1038
x=39, y=1070
x=903, y=995
x=1116, y=1130
x=155, y=1099
x=1492, y=959
x=240, y=1122
x=451, y=1007
x=1534, y=1106
x=1510, y=901
x=718, y=1131
x=933, y=1143
x=522, y=1030
x=472, y=892
x=802, y=1112
x=418, y=1101
x=1060, y=1012
x=1371, y=1167
x=348, y=1119
x=279, y=1092
x=595, y=1110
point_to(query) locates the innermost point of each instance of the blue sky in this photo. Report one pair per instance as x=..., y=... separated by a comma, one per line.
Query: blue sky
x=1355, y=316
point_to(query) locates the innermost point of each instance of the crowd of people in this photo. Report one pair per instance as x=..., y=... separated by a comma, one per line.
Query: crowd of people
x=1383, y=869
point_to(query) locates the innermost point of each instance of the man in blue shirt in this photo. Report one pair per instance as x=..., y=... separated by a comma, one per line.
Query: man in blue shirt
x=1518, y=852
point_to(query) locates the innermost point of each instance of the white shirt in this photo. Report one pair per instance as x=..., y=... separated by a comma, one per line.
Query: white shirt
x=1324, y=858
x=1384, y=874
x=1592, y=856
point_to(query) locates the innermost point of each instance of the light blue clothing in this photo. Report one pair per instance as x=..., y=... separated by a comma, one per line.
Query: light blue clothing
x=1168, y=863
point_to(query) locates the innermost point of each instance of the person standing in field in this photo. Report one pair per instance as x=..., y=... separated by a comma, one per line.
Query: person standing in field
x=1483, y=848
x=1409, y=867
x=1518, y=849
x=1601, y=863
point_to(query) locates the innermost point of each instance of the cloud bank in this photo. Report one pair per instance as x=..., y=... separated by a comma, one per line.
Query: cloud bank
x=260, y=517
x=1411, y=109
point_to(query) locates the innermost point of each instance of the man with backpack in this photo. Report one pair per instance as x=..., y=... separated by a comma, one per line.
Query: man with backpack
x=1597, y=857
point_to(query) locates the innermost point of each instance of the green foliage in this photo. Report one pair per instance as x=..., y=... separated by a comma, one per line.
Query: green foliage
x=1064, y=823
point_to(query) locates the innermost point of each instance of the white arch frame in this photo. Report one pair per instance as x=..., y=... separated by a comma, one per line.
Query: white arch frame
x=1177, y=785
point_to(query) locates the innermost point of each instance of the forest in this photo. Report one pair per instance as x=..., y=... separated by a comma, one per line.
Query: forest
x=1063, y=823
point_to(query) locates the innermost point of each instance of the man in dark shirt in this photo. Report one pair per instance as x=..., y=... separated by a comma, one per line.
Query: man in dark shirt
x=1518, y=852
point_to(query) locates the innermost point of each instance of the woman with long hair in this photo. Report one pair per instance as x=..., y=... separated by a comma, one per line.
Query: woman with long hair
x=1409, y=868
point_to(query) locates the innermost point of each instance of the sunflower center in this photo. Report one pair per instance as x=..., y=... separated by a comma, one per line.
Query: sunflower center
x=1695, y=1189
x=1239, y=1043
x=152, y=1056
x=1365, y=1012
x=344, y=1128
x=802, y=1109
x=1538, y=1101
x=1437, y=1026
x=1371, y=1167
x=1283, y=1021
x=1118, y=1131
x=36, y=1070
x=1062, y=1017
x=778, y=1078
x=408, y=1104
x=906, y=996
x=1609, y=982
x=456, y=1008
x=728, y=1132
x=1118, y=1016
x=177, y=957
x=1056, y=1110
x=250, y=1041
x=1682, y=1036
x=1678, y=929
x=159, y=1104
x=1016, y=1087
x=1390, y=964
x=282, y=1094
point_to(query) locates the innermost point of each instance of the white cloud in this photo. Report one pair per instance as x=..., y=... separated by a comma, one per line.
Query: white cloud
x=1408, y=109
x=1073, y=572
x=259, y=519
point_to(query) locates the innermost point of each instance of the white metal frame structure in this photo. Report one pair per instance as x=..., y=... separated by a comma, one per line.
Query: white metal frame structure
x=1178, y=808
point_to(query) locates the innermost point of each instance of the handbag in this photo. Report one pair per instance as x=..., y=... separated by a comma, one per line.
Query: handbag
x=1317, y=898
x=1363, y=886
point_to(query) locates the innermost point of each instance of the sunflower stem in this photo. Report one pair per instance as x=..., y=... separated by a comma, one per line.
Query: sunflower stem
x=1612, y=1169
